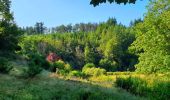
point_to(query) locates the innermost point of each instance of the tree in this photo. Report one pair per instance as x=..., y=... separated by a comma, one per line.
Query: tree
x=152, y=43
x=5, y=10
x=97, y=2
x=135, y=22
x=9, y=32
x=39, y=28
x=88, y=54
x=111, y=21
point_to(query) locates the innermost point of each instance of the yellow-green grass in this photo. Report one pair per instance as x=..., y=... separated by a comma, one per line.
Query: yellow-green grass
x=43, y=87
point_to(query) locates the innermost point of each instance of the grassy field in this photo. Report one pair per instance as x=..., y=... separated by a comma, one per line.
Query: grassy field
x=51, y=86
x=46, y=87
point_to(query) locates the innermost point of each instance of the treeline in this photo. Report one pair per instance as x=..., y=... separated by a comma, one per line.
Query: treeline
x=106, y=47
x=40, y=28
x=143, y=47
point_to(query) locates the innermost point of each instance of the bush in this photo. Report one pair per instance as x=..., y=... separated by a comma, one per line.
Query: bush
x=39, y=60
x=32, y=70
x=52, y=57
x=60, y=67
x=76, y=73
x=68, y=67
x=88, y=65
x=94, y=71
x=108, y=65
x=57, y=65
x=5, y=66
x=35, y=64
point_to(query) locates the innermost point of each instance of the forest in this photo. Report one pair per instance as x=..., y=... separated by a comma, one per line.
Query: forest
x=87, y=61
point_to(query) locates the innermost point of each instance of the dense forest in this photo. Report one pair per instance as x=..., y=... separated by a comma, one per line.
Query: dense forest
x=95, y=55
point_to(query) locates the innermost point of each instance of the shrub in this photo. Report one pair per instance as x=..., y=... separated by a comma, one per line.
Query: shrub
x=35, y=64
x=52, y=57
x=5, y=66
x=62, y=72
x=32, y=70
x=68, y=67
x=94, y=71
x=76, y=73
x=58, y=64
x=39, y=60
x=60, y=67
x=108, y=65
x=88, y=65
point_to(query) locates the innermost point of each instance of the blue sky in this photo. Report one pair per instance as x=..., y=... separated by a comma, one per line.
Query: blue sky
x=58, y=12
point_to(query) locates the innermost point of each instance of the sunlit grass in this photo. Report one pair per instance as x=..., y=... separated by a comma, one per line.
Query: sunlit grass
x=43, y=88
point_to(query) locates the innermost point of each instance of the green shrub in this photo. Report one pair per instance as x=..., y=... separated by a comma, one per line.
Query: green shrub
x=35, y=64
x=76, y=73
x=5, y=66
x=60, y=67
x=68, y=67
x=32, y=70
x=39, y=60
x=88, y=65
x=94, y=71
x=59, y=64
x=108, y=65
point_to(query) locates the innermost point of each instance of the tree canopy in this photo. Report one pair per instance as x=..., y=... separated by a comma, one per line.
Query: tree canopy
x=97, y=2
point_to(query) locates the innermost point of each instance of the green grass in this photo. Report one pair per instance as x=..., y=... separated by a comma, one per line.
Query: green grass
x=153, y=86
x=43, y=87
x=48, y=86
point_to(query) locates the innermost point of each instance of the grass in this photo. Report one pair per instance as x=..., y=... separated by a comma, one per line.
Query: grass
x=48, y=86
x=153, y=86
x=43, y=87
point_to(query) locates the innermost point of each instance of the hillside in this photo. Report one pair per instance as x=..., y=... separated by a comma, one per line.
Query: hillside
x=48, y=88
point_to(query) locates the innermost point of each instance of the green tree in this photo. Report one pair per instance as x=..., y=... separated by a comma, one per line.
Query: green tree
x=9, y=32
x=89, y=55
x=152, y=43
x=39, y=28
x=5, y=10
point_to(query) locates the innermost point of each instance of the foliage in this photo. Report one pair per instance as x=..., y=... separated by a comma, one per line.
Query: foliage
x=97, y=2
x=35, y=64
x=89, y=55
x=33, y=70
x=88, y=65
x=39, y=61
x=154, y=88
x=108, y=65
x=95, y=71
x=9, y=32
x=110, y=41
x=60, y=67
x=59, y=64
x=5, y=66
x=90, y=70
x=76, y=73
x=52, y=57
x=38, y=44
x=5, y=10
x=47, y=88
x=152, y=43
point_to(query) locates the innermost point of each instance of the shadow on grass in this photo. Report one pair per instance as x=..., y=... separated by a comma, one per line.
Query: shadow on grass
x=46, y=88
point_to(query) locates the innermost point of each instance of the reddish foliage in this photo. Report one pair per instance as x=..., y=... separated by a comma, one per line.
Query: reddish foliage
x=52, y=57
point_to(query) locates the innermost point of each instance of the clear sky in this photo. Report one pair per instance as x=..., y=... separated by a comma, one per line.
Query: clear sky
x=58, y=12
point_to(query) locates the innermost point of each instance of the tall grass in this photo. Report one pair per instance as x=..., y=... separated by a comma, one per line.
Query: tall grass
x=156, y=87
x=46, y=88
